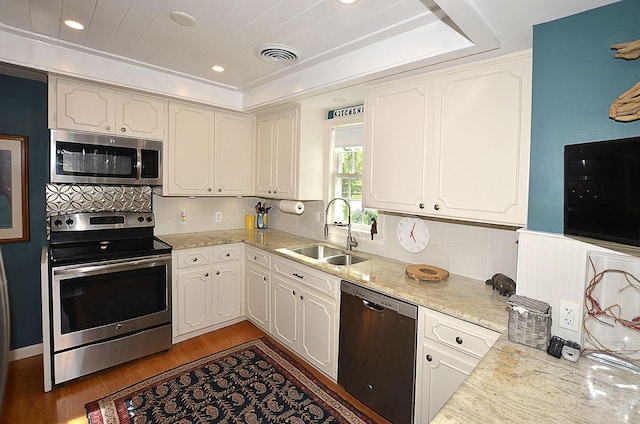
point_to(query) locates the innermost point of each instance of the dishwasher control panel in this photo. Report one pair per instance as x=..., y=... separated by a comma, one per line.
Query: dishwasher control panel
x=385, y=301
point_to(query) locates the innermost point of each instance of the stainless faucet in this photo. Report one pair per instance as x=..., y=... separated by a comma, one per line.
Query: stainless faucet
x=351, y=240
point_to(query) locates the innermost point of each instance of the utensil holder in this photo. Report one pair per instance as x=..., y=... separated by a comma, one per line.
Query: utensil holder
x=261, y=220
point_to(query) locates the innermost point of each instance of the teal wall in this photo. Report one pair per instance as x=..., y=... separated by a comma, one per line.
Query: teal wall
x=575, y=80
x=23, y=111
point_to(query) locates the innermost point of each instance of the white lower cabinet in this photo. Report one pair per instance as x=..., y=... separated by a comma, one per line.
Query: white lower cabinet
x=258, y=288
x=448, y=350
x=297, y=305
x=208, y=289
x=305, y=323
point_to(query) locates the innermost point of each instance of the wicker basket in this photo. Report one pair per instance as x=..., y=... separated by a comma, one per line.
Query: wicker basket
x=529, y=321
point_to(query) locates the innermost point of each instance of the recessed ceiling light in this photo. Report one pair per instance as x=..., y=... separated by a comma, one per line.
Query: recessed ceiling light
x=182, y=18
x=74, y=24
x=348, y=1
x=217, y=68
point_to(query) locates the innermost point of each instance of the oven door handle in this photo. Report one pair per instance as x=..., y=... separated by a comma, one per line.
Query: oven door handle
x=108, y=266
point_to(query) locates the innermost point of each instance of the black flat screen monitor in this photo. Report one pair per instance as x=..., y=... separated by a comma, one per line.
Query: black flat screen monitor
x=602, y=190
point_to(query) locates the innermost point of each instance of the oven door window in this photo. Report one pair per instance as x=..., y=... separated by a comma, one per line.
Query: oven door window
x=88, y=302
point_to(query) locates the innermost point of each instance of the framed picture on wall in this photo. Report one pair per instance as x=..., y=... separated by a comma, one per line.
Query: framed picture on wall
x=14, y=198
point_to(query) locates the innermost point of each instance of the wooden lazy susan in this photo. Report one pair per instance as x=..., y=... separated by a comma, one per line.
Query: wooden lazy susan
x=422, y=272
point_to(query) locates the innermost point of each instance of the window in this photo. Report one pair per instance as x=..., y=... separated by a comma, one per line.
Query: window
x=347, y=172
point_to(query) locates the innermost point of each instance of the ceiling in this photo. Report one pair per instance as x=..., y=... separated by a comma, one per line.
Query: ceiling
x=330, y=39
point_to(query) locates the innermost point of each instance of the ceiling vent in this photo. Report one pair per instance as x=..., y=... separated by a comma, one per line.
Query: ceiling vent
x=278, y=54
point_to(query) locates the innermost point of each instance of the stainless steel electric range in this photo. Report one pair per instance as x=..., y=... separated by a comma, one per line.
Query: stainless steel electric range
x=108, y=295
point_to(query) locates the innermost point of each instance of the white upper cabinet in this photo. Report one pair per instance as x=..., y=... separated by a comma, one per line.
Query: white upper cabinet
x=290, y=153
x=398, y=149
x=233, y=156
x=277, y=151
x=94, y=108
x=482, y=132
x=453, y=144
x=209, y=152
x=189, y=162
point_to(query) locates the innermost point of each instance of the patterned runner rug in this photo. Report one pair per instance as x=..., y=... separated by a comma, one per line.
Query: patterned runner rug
x=254, y=382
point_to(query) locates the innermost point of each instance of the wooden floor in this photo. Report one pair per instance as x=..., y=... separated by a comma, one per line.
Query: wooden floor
x=26, y=402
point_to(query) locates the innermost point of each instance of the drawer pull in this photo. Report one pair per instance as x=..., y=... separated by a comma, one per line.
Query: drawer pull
x=459, y=340
x=298, y=275
x=429, y=358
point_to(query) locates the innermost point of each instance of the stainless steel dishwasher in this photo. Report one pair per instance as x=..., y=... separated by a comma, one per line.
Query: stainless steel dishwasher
x=377, y=353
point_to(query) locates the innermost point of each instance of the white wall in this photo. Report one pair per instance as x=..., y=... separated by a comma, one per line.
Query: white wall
x=471, y=251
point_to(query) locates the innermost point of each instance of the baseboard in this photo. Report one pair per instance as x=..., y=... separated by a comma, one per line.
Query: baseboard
x=178, y=339
x=25, y=352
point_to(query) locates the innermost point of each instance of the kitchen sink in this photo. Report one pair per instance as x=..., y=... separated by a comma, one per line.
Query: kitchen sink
x=328, y=255
x=317, y=251
x=344, y=259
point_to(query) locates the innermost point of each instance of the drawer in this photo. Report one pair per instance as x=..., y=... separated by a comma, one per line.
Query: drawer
x=457, y=334
x=189, y=258
x=308, y=277
x=257, y=257
x=227, y=252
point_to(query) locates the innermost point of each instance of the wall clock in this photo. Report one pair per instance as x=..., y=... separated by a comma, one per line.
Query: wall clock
x=413, y=234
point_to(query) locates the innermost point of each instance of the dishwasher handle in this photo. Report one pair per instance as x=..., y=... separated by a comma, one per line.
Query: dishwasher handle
x=373, y=306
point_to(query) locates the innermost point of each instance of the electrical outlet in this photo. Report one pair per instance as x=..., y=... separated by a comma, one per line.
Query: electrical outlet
x=183, y=217
x=569, y=317
x=218, y=217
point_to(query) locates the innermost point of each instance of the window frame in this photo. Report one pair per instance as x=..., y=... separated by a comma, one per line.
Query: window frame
x=361, y=229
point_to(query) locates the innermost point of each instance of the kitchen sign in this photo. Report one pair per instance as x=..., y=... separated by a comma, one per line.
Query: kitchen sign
x=347, y=111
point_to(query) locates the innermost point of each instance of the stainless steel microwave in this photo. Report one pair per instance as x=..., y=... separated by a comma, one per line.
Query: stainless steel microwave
x=81, y=158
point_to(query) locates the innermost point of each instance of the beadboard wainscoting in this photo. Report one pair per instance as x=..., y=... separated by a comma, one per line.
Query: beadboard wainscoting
x=553, y=268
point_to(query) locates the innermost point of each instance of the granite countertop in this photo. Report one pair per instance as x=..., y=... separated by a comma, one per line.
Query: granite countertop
x=519, y=384
x=461, y=297
x=513, y=383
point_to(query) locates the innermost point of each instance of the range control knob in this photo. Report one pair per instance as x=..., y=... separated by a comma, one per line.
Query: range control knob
x=140, y=218
x=149, y=219
x=69, y=221
x=57, y=223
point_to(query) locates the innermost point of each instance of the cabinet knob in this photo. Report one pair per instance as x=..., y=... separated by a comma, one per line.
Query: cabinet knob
x=301, y=297
x=255, y=258
x=123, y=129
x=228, y=254
x=195, y=259
x=459, y=340
x=421, y=205
x=294, y=292
x=429, y=358
x=209, y=189
x=206, y=274
x=436, y=207
x=219, y=190
x=269, y=191
x=217, y=272
x=107, y=127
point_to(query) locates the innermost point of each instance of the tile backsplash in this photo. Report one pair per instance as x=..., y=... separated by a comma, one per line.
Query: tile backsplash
x=73, y=198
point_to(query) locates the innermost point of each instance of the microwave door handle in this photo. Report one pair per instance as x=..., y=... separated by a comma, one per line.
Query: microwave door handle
x=139, y=165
